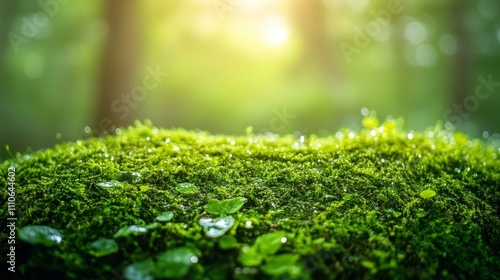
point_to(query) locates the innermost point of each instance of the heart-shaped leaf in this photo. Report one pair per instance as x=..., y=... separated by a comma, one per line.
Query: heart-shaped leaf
x=214, y=206
x=233, y=205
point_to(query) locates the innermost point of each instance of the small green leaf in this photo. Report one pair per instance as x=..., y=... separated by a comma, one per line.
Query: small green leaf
x=139, y=270
x=144, y=188
x=277, y=265
x=43, y=235
x=269, y=243
x=214, y=206
x=233, y=205
x=103, y=247
x=165, y=216
x=128, y=230
x=175, y=263
x=249, y=256
x=427, y=194
x=227, y=242
x=368, y=264
x=187, y=188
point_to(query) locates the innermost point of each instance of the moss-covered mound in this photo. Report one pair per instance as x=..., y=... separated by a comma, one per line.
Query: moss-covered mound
x=152, y=203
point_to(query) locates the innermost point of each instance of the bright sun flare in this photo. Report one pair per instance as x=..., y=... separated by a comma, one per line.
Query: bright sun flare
x=275, y=31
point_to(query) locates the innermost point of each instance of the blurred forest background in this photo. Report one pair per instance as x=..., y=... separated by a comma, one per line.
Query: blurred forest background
x=70, y=69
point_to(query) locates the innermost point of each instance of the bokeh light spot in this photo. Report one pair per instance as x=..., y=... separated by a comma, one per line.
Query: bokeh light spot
x=34, y=66
x=448, y=44
x=488, y=8
x=416, y=32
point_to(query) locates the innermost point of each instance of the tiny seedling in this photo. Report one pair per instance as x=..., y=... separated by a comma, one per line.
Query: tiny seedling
x=227, y=206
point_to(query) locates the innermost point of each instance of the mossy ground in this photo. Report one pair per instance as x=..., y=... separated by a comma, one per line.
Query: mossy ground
x=349, y=204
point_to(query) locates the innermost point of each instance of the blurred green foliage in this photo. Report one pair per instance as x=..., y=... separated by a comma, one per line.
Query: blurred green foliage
x=278, y=66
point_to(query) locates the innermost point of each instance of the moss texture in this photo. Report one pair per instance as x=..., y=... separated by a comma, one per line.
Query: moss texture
x=354, y=205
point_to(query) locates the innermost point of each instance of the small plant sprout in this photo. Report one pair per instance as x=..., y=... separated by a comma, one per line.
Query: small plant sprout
x=227, y=206
x=263, y=250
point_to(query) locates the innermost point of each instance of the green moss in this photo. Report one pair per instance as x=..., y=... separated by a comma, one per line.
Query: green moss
x=349, y=206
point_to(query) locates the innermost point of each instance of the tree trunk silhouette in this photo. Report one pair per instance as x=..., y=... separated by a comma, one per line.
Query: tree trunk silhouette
x=461, y=67
x=118, y=65
x=309, y=18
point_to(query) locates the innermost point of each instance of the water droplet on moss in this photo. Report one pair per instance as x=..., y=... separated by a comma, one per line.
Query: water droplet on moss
x=128, y=230
x=42, y=235
x=187, y=188
x=165, y=216
x=110, y=184
x=129, y=177
x=103, y=247
x=216, y=227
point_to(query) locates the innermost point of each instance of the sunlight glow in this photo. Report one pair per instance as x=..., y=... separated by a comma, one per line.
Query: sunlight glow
x=275, y=31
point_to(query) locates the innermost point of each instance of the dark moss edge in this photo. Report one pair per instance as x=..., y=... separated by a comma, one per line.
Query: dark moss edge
x=350, y=204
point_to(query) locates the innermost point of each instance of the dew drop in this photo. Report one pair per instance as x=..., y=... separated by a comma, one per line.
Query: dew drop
x=110, y=184
x=215, y=227
x=129, y=177
x=248, y=224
